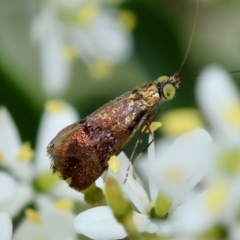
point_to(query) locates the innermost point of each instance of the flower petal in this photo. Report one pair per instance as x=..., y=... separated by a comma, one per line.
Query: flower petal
x=7, y=187
x=10, y=141
x=5, y=226
x=216, y=94
x=51, y=123
x=143, y=223
x=22, y=196
x=99, y=223
x=175, y=173
x=132, y=188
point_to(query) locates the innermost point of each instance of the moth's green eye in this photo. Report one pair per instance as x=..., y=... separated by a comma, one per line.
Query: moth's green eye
x=169, y=91
x=163, y=79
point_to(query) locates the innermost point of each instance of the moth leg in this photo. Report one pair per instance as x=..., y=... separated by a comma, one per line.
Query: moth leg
x=147, y=146
x=147, y=123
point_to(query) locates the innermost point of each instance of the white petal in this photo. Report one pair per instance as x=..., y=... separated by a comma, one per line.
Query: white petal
x=132, y=188
x=28, y=230
x=144, y=224
x=195, y=220
x=216, y=92
x=100, y=224
x=7, y=187
x=55, y=68
x=10, y=141
x=113, y=42
x=183, y=164
x=62, y=190
x=51, y=124
x=49, y=33
x=103, y=39
x=22, y=196
x=10, y=144
x=57, y=225
x=153, y=188
x=5, y=226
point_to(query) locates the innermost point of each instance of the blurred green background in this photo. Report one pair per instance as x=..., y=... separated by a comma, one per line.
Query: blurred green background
x=160, y=40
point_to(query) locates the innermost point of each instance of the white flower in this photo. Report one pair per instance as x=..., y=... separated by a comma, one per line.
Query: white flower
x=17, y=190
x=15, y=194
x=85, y=29
x=220, y=101
x=50, y=223
x=103, y=217
x=181, y=166
x=105, y=225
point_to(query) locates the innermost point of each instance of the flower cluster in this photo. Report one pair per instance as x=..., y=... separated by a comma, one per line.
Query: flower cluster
x=193, y=180
x=186, y=187
x=97, y=32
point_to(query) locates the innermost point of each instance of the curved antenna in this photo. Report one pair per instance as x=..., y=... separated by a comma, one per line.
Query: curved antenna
x=191, y=38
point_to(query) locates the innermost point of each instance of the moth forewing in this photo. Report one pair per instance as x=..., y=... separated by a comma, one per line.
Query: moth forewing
x=80, y=152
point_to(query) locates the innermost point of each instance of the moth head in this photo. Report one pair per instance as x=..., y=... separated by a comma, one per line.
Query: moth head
x=167, y=86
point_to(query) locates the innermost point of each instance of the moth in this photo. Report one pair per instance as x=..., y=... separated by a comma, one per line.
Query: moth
x=80, y=152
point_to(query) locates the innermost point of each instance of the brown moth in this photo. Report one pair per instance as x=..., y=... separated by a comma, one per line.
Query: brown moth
x=80, y=152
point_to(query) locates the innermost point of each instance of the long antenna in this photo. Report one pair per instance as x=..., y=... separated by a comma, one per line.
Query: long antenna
x=191, y=38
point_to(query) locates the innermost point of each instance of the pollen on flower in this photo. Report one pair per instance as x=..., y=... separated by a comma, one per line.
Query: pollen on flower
x=128, y=20
x=232, y=114
x=114, y=164
x=70, y=52
x=190, y=119
x=33, y=216
x=55, y=106
x=87, y=13
x=215, y=198
x=174, y=175
x=101, y=69
x=1, y=157
x=64, y=204
x=26, y=152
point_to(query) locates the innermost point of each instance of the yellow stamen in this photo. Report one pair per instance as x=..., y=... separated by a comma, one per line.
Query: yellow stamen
x=114, y=164
x=87, y=13
x=26, y=153
x=1, y=157
x=128, y=20
x=178, y=122
x=33, y=216
x=101, y=69
x=55, y=106
x=232, y=114
x=215, y=198
x=70, y=52
x=64, y=204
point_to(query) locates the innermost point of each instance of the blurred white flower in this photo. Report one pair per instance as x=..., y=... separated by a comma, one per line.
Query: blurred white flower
x=25, y=181
x=219, y=99
x=53, y=221
x=178, y=183
x=94, y=31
